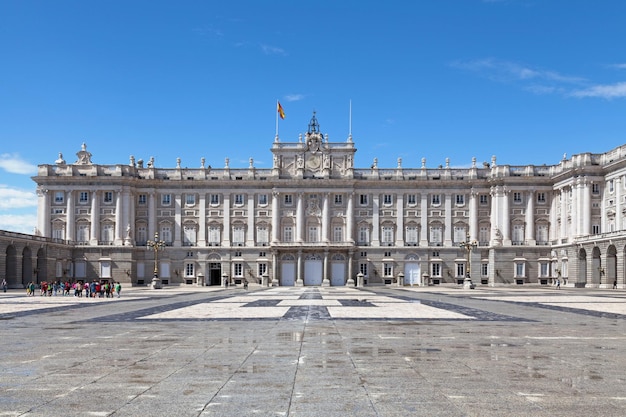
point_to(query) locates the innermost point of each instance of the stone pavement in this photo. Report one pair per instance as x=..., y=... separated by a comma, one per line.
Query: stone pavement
x=376, y=351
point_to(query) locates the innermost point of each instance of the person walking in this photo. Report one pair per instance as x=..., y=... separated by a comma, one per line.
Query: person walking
x=558, y=284
x=615, y=284
x=4, y=285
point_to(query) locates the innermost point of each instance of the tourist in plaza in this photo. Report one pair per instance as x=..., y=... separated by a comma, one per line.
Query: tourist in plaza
x=615, y=284
x=118, y=289
x=558, y=284
x=4, y=285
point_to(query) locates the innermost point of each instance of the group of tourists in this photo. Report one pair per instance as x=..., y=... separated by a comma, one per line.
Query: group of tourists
x=93, y=289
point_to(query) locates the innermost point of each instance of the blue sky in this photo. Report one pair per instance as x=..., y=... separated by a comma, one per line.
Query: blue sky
x=525, y=80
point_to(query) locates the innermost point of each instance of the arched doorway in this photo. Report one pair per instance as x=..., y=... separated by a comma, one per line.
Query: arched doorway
x=412, y=271
x=611, y=265
x=597, y=272
x=40, y=266
x=27, y=266
x=11, y=267
x=338, y=270
x=581, y=279
x=313, y=270
x=288, y=271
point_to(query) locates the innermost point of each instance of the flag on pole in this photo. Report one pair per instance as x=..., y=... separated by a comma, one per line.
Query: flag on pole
x=280, y=110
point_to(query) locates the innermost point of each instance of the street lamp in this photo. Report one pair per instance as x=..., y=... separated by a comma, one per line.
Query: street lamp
x=468, y=246
x=156, y=245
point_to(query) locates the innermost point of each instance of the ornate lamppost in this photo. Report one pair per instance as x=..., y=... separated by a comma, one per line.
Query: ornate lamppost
x=156, y=245
x=468, y=246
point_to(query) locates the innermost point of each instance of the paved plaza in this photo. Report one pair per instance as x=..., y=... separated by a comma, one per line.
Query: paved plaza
x=309, y=351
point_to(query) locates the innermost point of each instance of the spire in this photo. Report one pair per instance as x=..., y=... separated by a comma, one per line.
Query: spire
x=314, y=126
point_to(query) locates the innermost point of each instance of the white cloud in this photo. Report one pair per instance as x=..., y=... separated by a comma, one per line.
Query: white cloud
x=508, y=71
x=21, y=223
x=294, y=97
x=607, y=91
x=14, y=164
x=13, y=198
x=272, y=50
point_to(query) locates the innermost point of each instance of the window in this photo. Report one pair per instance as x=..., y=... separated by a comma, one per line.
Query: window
x=387, y=200
x=542, y=234
x=288, y=199
x=166, y=199
x=58, y=232
x=262, y=199
x=611, y=186
x=108, y=196
x=214, y=235
x=237, y=254
x=435, y=269
x=338, y=199
x=520, y=269
x=484, y=269
x=107, y=233
x=363, y=199
x=337, y=234
x=460, y=199
x=517, y=197
x=214, y=199
x=189, y=269
x=411, y=199
x=387, y=254
x=262, y=269
x=460, y=269
x=262, y=235
x=387, y=269
x=190, y=199
x=82, y=233
x=287, y=234
x=313, y=234
x=595, y=229
x=364, y=235
x=544, y=269
x=387, y=238
x=518, y=234
x=239, y=199
x=363, y=268
x=238, y=235
x=363, y=254
x=483, y=236
x=435, y=199
x=142, y=235
x=595, y=188
x=460, y=234
x=436, y=235
x=541, y=197
x=142, y=199
x=238, y=269
x=83, y=197
x=59, y=197
x=166, y=234
x=411, y=235
x=189, y=235
x=483, y=199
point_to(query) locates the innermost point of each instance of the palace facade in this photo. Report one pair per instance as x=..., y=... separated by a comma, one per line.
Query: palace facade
x=315, y=219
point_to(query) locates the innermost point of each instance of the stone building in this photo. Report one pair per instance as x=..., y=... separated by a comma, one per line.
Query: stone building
x=315, y=219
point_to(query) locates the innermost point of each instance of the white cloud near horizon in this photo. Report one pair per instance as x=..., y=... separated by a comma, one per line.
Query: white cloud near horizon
x=20, y=223
x=14, y=198
x=14, y=164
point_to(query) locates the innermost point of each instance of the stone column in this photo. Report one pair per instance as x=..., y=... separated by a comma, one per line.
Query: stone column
x=226, y=234
x=506, y=217
x=375, y=220
x=178, y=219
x=275, y=217
x=473, y=216
x=350, y=218
x=94, y=233
x=325, y=218
x=202, y=220
x=447, y=232
x=618, y=203
x=299, y=280
x=400, y=219
x=119, y=219
x=152, y=215
x=251, y=226
x=586, y=209
x=43, y=213
x=424, y=220
x=325, y=280
x=563, y=213
x=70, y=217
x=530, y=219
x=300, y=218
